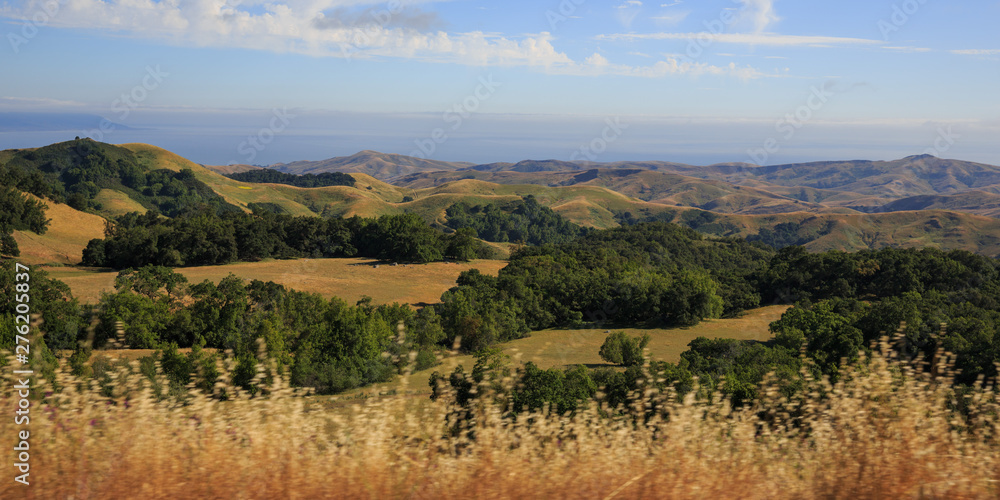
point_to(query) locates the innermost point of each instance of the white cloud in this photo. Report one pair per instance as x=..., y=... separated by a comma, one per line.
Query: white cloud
x=597, y=64
x=977, y=52
x=628, y=4
x=323, y=28
x=35, y=103
x=596, y=60
x=671, y=18
x=313, y=27
x=767, y=39
x=907, y=49
x=678, y=2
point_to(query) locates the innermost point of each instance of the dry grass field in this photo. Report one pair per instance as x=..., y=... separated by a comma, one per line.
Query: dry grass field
x=68, y=234
x=883, y=432
x=348, y=279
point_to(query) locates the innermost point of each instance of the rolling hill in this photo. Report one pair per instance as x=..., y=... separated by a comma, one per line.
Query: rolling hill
x=379, y=165
x=833, y=205
x=646, y=185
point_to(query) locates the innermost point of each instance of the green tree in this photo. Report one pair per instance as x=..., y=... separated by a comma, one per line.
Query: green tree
x=620, y=349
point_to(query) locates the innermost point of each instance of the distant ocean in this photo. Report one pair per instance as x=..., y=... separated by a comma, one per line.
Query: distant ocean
x=264, y=137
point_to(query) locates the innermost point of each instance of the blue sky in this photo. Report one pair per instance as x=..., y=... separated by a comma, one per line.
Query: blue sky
x=698, y=81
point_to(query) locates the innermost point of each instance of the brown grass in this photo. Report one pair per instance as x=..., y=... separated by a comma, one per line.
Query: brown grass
x=68, y=234
x=882, y=432
x=348, y=279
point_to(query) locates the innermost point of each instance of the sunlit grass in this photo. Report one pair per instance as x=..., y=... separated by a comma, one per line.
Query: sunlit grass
x=349, y=279
x=884, y=431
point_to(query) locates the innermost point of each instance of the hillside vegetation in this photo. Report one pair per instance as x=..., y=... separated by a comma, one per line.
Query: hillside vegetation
x=739, y=200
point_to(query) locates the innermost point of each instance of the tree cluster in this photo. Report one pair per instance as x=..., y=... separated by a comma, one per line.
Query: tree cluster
x=328, y=345
x=267, y=175
x=19, y=212
x=646, y=275
x=524, y=221
x=135, y=240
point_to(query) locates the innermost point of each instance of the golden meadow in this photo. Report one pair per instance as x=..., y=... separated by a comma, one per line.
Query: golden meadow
x=888, y=428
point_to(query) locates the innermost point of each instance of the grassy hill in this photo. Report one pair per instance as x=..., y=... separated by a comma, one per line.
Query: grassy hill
x=973, y=202
x=646, y=185
x=378, y=165
x=67, y=236
x=370, y=197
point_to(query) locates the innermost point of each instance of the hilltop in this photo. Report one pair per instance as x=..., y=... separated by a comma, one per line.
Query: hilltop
x=379, y=165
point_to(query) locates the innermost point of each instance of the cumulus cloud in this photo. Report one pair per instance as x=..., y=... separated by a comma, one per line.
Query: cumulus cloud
x=336, y=28
x=341, y=28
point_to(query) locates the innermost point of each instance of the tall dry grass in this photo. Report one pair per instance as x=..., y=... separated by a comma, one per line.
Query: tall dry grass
x=885, y=430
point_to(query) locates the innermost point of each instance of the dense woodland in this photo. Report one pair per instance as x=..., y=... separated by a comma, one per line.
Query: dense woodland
x=136, y=240
x=266, y=175
x=524, y=221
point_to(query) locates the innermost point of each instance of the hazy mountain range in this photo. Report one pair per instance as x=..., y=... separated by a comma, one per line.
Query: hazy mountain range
x=913, y=183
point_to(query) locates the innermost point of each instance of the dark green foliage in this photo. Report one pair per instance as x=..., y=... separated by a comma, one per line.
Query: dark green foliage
x=620, y=349
x=74, y=172
x=736, y=367
x=135, y=240
x=783, y=235
x=61, y=314
x=266, y=207
x=699, y=220
x=561, y=390
x=627, y=218
x=19, y=212
x=480, y=312
x=524, y=221
x=328, y=344
x=306, y=181
x=644, y=275
x=532, y=389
